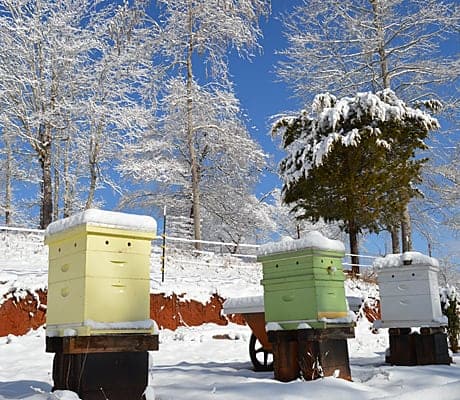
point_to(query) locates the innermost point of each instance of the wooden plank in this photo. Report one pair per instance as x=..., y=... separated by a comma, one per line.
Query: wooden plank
x=330, y=354
x=101, y=344
x=402, y=348
x=114, y=376
x=326, y=334
x=431, y=330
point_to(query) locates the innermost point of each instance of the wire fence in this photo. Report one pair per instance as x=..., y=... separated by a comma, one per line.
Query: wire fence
x=18, y=244
x=252, y=253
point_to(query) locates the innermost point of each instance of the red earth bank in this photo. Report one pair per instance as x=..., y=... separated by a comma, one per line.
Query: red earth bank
x=18, y=316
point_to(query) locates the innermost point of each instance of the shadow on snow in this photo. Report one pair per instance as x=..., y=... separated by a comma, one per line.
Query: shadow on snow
x=23, y=389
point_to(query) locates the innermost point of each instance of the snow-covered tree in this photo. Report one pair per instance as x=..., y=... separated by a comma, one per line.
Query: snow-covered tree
x=352, y=160
x=70, y=75
x=450, y=307
x=120, y=92
x=13, y=164
x=37, y=41
x=244, y=219
x=345, y=46
x=447, y=187
x=439, y=201
x=200, y=144
x=228, y=160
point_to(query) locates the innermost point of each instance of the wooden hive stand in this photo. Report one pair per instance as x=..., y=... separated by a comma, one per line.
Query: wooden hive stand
x=98, y=367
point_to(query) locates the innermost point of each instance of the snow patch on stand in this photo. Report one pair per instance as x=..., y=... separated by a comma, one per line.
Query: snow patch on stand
x=249, y=304
x=69, y=332
x=102, y=218
x=404, y=260
x=313, y=240
x=273, y=326
x=145, y=324
x=441, y=320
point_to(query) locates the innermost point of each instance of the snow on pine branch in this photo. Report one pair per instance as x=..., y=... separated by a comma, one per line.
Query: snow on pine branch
x=448, y=294
x=309, y=138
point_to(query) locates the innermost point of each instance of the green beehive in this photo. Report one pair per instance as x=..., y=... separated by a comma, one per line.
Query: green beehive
x=99, y=274
x=304, y=282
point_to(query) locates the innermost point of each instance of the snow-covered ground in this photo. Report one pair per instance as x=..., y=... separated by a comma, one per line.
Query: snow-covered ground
x=192, y=364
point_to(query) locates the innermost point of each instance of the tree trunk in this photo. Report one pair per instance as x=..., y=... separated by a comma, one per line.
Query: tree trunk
x=46, y=211
x=406, y=230
x=67, y=196
x=8, y=172
x=57, y=183
x=194, y=169
x=93, y=172
x=395, y=244
x=354, y=248
x=378, y=24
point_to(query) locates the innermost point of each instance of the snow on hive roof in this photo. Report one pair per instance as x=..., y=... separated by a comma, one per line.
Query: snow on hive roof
x=312, y=239
x=405, y=259
x=108, y=219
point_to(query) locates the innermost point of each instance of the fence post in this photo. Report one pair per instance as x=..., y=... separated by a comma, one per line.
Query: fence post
x=163, y=256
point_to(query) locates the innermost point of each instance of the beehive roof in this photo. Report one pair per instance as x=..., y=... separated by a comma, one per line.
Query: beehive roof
x=312, y=239
x=103, y=218
x=404, y=259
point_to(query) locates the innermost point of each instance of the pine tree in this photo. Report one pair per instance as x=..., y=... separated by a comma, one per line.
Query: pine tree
x=353, y=161
x=449, y=302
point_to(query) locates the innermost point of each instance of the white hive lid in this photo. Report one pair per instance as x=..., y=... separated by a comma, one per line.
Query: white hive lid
x=409, y=258
x=106, y=219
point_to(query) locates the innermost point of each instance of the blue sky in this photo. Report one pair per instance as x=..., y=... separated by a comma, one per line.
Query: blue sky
x=260, y=94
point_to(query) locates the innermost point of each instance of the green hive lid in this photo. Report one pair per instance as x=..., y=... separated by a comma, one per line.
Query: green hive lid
x=312, y=240
x=106, y=219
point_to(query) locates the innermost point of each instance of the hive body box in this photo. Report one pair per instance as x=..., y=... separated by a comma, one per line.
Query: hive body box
x=304, y=285
x=409, y=294
x=99, y=273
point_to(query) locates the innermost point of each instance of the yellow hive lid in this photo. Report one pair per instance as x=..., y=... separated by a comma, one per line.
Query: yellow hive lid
x=104, y=219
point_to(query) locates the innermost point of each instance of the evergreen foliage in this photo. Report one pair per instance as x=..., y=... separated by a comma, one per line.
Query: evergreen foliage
x=449, y=300
x=354, y=160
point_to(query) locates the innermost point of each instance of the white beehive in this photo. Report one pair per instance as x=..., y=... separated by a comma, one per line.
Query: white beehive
x=409, y=291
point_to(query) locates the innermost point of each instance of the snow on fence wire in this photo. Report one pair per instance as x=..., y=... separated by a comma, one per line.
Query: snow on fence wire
x=19, y=229
x=25, y=245
x=248, y=257
x=220, y=245
x=348, y=255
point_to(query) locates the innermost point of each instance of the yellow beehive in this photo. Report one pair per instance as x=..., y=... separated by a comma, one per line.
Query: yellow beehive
x=99, y=274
